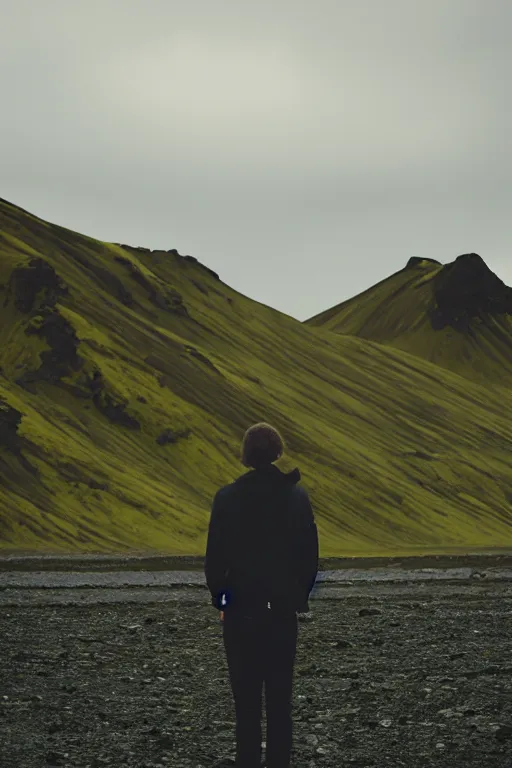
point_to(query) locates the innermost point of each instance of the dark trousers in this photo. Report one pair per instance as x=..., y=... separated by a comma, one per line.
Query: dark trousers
x=261, y=649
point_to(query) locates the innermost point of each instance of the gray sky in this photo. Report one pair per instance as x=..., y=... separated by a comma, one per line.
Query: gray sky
x=303, y=150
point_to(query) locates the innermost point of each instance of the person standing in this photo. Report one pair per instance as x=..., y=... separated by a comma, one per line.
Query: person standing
x=261, y=564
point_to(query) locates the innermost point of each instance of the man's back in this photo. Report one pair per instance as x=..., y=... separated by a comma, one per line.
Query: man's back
x=263, y=530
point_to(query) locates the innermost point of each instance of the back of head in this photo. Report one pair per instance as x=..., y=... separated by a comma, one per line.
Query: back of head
x=262, y=444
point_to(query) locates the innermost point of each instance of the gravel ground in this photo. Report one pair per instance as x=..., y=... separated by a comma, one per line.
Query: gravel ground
x=416, y=674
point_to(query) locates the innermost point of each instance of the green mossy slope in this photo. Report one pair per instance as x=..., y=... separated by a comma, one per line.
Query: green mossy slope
x=128, y=378
x=458, y=316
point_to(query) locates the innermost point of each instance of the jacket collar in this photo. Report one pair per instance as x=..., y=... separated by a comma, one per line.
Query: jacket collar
x=273, y=473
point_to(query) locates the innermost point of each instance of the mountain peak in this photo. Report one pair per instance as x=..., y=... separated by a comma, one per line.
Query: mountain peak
x=471, y=262
x=467, y=288
x=418, y=261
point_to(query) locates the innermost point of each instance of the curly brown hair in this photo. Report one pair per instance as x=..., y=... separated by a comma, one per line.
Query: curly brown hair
x=262, y=444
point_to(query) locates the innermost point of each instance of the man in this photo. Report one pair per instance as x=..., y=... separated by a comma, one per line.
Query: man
x=260, y=566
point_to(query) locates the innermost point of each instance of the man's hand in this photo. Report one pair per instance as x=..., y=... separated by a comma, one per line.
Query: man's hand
x=222, y=615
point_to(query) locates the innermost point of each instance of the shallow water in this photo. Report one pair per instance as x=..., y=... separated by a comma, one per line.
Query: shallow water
x=122, y=579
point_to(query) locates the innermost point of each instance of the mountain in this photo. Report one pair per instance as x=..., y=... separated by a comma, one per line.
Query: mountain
x=456, y=315
x=127, y=380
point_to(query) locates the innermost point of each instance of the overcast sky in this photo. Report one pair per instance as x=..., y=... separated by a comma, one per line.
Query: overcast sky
x=302, y=150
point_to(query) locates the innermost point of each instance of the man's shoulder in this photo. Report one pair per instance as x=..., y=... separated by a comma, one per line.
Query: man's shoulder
x=296, y=490
x=226, y=492
x=232, y=488
x=231, y=492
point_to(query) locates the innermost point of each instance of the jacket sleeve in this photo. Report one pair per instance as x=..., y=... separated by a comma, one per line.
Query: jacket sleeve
x=215, y=566
x=308, y=551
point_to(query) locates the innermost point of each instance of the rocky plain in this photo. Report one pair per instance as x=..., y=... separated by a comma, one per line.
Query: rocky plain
x=103, y=666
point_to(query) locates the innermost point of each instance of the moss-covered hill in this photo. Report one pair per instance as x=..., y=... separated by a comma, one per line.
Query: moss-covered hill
x=458, y=316
x=129, y=376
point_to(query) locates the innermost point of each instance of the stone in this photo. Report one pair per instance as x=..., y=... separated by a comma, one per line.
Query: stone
x=54, y=758
x=504, y=733
x=341, y=644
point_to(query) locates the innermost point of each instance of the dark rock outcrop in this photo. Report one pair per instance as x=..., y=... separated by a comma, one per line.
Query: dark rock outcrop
x=466, y=289
x=108, y=404
x=169, y=436
x=114, y=410
x=62, y=359
x=172, y=252
x=195, y=261
x=10, y=420
x=92, y=386
x=136, y=248
x=37, y=279
x=60, y=335
x=35, y=288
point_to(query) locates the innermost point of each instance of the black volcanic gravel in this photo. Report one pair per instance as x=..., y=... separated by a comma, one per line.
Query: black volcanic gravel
x=383, y=677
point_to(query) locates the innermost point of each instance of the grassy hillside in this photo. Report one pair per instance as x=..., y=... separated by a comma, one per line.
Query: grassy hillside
x=458, y=316
x=129, y=376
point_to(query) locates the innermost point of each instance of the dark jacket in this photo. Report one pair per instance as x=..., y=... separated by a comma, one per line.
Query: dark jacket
x=262, y=544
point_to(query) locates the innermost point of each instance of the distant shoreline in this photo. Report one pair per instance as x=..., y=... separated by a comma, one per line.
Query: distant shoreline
x=29, y=561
